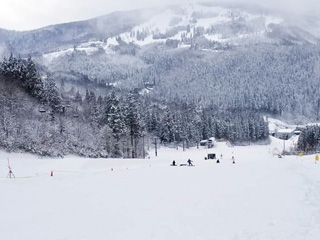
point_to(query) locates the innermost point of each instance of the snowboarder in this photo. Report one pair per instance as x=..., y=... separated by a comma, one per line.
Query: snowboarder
x=190, y=162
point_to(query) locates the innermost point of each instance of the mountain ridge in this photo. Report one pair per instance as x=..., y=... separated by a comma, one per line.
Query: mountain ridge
x=213, y=22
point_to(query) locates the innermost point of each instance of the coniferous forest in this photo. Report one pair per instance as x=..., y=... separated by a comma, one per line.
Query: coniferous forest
x=309, y=140
x=177, y=100
x=37, y=118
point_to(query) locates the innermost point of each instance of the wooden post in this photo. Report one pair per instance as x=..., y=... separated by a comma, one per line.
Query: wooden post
x=156, y=150
x=144, y=153
x=155, y=146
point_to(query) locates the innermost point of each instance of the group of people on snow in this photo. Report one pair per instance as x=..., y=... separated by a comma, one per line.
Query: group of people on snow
x=190, y=162
x=232, y=159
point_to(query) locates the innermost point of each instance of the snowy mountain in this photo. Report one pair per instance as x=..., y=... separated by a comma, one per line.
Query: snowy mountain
x=245, y=55
x=191, y=72
x=212, y=27
x=208, y=25
x=212, y=23
x=51, y=38
x=181, y=26
x=135, y=49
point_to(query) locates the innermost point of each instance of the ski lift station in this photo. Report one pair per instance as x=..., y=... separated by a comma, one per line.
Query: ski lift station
x=287, y=133
x=203, y=143
x=208, y=142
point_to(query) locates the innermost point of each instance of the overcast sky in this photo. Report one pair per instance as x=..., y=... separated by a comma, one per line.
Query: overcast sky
x=32, y=14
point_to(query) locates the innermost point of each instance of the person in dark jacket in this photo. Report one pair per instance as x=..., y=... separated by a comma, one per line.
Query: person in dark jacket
x=189, y=162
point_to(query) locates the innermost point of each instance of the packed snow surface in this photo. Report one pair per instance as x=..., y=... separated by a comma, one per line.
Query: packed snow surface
x=259, y=197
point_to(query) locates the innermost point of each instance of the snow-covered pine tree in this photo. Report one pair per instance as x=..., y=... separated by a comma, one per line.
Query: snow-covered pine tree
x=167, y=133
x=133, y=122
x=116, y=123
x=51, y=94
x=33, y=80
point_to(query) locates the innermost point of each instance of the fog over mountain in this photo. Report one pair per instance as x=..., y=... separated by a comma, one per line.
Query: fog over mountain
x=32, y=14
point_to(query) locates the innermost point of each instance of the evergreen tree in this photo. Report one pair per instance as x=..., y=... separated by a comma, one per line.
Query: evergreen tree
x=32, y=80
x=116, y=123
x=51, y=94
x=167, y=130
x=133, y=122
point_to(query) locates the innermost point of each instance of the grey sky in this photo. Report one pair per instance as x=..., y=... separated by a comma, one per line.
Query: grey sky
x=31, y=14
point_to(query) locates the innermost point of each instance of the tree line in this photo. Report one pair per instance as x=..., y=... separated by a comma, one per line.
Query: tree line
x=309, y=140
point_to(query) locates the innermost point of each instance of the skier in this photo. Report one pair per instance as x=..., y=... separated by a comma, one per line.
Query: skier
x=173, y=163
x=218, y=161
x=190, y=162
x=233, y=160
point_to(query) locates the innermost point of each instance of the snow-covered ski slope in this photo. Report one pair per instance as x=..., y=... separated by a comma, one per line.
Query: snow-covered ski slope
x=261, y=197
x=213, y=23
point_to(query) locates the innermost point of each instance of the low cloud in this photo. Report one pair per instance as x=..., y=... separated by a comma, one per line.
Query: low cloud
x=31, y=14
